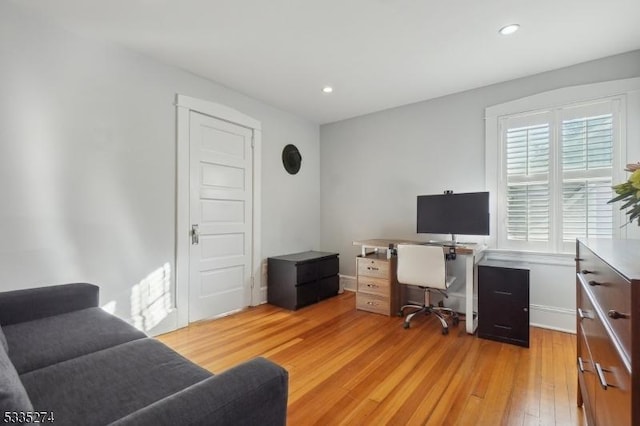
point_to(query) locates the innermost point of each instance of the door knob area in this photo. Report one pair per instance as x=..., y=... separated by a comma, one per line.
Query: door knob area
x=195, y=235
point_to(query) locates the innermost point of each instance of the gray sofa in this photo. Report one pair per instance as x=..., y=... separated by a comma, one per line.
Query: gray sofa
x=62, y=355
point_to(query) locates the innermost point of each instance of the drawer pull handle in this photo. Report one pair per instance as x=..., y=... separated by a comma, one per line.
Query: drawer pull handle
x=371, y=303
x=586, y=271
x=580, y=364
x=601, y=378
x=372, y=286
x=503, y=293
x=371, y=268
x=593, y=283
x=503, y=327
x=583, y=314
x=616, y=315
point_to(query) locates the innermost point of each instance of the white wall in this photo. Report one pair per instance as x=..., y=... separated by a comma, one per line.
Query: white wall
x=88, y=158
x=372, y=167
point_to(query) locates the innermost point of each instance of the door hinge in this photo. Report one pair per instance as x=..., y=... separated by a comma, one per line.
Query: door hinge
x=253, y=281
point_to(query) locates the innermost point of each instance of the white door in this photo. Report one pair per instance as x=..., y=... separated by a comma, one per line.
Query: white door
x=221, y=194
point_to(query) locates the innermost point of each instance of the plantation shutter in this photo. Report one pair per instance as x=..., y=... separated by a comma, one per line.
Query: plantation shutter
x=528, y=192
x=557, y=176
x=587, y=141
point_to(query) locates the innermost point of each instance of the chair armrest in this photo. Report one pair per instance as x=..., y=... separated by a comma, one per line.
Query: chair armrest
x=252, y=393
x=34, y=303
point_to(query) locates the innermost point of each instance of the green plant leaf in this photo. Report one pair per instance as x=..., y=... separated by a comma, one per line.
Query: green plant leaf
x=628, y=203
x=633, y=213
x=618, y=198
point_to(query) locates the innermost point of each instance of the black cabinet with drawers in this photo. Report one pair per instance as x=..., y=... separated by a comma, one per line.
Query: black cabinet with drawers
x=300, y=279
x=503, y=303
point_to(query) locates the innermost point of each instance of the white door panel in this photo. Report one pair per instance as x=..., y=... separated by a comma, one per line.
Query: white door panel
x=223, y=212
x=222, y=176
x=220, y=205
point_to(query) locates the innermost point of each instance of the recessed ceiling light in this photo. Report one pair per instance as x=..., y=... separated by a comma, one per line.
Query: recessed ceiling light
x=509, y=29
x=327, y=89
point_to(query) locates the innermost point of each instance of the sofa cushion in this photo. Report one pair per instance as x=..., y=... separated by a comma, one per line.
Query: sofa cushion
x=13, y=396
x=3, y=342
x=65, y=336
x=107, y=385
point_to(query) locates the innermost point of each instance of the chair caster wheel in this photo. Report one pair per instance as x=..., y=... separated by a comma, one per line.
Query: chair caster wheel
x=456, y=320
x=445, y=331
x=400, y=314
x=405, y=325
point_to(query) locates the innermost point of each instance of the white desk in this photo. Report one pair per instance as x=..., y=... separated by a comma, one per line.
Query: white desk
x=472, y=254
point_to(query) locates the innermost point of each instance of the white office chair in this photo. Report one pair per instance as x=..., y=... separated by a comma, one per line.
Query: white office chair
x=424, y=266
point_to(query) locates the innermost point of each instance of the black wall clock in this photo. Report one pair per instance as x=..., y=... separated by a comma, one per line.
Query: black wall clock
x=291, y=159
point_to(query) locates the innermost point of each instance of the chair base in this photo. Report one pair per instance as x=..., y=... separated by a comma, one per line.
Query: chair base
x=438, y=311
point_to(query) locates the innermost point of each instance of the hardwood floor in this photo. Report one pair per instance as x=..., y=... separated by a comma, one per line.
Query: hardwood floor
x=352, y=367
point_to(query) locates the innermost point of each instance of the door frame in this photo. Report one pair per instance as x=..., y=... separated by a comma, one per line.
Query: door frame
x=184, y=106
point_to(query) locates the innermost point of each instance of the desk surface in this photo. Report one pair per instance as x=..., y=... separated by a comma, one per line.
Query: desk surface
x=385, y=244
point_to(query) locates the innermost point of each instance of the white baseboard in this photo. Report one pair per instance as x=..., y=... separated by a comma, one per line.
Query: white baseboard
x=553, y=318
x=348, y=283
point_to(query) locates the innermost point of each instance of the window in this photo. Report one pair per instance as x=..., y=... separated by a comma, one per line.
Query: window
x=556, y=175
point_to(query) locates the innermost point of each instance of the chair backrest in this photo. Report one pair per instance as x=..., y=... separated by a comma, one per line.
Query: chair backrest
x=422, y=265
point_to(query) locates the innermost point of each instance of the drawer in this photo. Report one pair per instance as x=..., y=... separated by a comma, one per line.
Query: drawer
x=373, y=303
x=372, y=267
x=587, y=314
x=371, y=285
x=612, y=380
x=610, y=291
x=328, y=267
x=613, y=403
x=598, y=352
x=306, y=294
x=306, y=272
x=586, y=376
x=612, y=294
x=328, y=287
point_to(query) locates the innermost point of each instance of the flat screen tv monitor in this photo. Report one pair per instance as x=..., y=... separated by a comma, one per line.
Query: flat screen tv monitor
x=455, y=214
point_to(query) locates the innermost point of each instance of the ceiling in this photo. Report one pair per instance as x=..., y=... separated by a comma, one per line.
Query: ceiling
x=376, y=54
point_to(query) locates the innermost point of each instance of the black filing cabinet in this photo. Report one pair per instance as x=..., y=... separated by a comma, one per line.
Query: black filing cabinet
x=300, y=279
x=503, y=303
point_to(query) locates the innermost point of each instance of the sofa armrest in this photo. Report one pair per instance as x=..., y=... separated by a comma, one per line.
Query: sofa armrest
x=252, y=393
x=34, y=303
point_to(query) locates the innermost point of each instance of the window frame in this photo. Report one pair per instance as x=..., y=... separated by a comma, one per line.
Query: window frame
x=554, y=101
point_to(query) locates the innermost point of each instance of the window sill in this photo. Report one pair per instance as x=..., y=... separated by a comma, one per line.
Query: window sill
x=543, y=258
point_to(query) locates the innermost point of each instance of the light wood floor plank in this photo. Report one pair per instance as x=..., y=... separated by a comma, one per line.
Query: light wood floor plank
x=355, y=368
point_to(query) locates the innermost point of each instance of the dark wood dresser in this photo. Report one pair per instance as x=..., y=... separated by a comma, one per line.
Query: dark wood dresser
x=300, y=279
x=608, y=330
